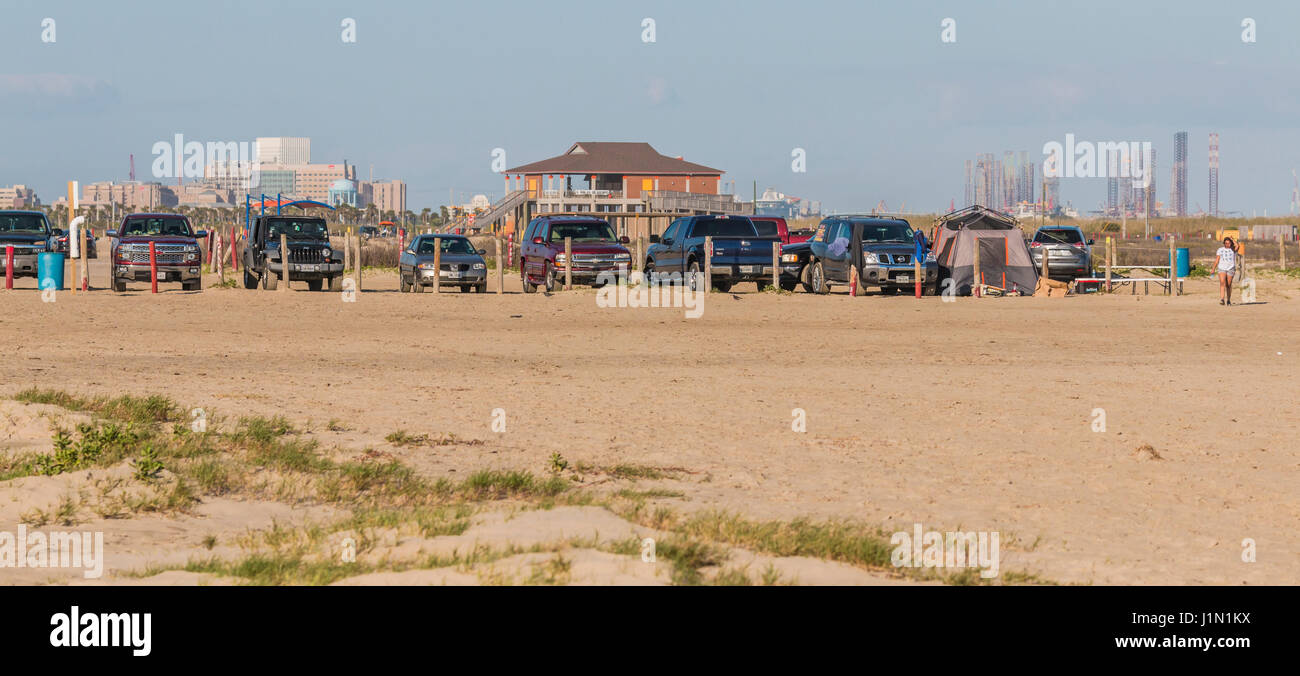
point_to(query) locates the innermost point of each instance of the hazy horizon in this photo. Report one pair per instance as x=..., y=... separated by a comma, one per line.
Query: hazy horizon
x=882, y=107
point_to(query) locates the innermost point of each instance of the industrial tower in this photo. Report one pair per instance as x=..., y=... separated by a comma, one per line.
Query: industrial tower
x=1214, y=174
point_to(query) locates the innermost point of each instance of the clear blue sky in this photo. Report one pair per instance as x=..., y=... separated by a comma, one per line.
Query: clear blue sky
x=882, y=107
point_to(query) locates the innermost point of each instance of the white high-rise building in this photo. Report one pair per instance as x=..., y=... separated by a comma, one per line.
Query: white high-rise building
x=283, y=150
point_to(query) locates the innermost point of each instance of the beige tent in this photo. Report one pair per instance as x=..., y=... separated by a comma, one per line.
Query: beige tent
x=1004, y=256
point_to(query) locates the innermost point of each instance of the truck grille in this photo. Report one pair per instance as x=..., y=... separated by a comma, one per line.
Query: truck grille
x=455, y=267
x=306, y=256
x=594, y=259
x=164, y=254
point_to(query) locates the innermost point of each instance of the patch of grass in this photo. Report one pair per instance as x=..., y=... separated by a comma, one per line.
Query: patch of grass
x=496, y=485
x=402, y=438
x=558, y=463
x=280, y=568
x=147, y=466
x=93, y=446
x=651, y=494
x=126, y=408
x=227, y=283
x=260, y=430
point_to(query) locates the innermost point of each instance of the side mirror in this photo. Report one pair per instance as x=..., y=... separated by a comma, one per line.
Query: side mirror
x=654, y=239
x=624, y=240
x=58, y=232
x=482, y=252
x=110, y=233
x=201, y=234
x=668, y=241
x=537, y=240
x=1089, y=242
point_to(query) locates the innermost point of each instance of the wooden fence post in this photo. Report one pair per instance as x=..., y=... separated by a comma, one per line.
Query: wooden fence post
x=1173, y=269
x=357, y=261
x=975, y=268
x=284, y=262
x=776, y=266
x=437, y=264
x=1281, y=252
x=501, y=268
x=1109, y=257
x=568, y=263
x=708, y=264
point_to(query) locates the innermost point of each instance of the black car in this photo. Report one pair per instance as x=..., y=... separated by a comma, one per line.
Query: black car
x=28, y=232
x=459, y=264
x=60, y=243
x=887, y=259
x=311, y=258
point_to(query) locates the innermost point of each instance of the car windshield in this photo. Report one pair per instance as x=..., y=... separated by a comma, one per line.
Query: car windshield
x=585, y=231
x=766, y=228
x=450, y=245
x=162, y=225
x=724, y=227
x=1058, y=236
x=887, y=232
x=32, y=223
x=312, y=228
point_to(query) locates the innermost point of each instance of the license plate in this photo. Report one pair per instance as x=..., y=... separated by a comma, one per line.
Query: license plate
x=1058, y=253
x=904, y=278
x=309, y=268
x=451, y=274
x=749, y=269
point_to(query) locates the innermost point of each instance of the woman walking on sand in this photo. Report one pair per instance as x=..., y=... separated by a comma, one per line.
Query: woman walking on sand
x=1225, y=264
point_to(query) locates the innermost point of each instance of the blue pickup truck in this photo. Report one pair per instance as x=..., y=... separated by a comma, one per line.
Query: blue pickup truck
x=739, y=253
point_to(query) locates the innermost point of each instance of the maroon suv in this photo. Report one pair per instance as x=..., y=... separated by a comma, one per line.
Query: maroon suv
x=595, y=250
x=176, y=250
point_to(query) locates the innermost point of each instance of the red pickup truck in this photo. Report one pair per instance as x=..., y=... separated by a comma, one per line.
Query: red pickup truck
x=775, y=226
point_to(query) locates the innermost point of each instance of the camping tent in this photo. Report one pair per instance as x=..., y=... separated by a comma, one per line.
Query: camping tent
x=1004, y=257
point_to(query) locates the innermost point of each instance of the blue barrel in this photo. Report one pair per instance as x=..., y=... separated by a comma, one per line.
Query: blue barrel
x=49, y=271
x=1184, y=264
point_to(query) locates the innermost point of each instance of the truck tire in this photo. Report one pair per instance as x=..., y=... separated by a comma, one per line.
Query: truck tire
x=403, y=285
x=648, y=271
x=722, y=286
x=804, y=273
x=250, y=280
x=692, y=275
x=789, y=286
x=817, y=279
x=315, y=284
x=548, y=276
x=119, y=285
x=529, y=287
x=269, y=281
x=336, y=284
x=417, y=287
x=481, y=288
x=196, y=285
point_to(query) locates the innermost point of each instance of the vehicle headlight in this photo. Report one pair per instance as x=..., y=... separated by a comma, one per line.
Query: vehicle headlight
x=789, y=258
x=427, y=266
x=930, y=258
x=622, y=257
x=327, y=253
x=871, y=259
x=480, y=266
x=559, y=258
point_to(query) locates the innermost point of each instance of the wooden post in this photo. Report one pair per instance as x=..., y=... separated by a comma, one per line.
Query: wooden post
x=501, y=268
x=85, y=267
x=708, y=264
x=357, y=261
x=437, y=265
x=1109, y=258
x=776, y=266
x=568, y=263
x=853, y=281
x=639, y=263
x=284, y=262
x=975, y=268
x=1173, y=267
x=347, y=252
x=1281, y=252
x=153, y=268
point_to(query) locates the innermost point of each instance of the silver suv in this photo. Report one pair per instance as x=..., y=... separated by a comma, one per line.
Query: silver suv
x=1069, y=255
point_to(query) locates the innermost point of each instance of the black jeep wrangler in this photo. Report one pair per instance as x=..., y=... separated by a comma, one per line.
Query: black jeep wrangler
x=311, y=258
